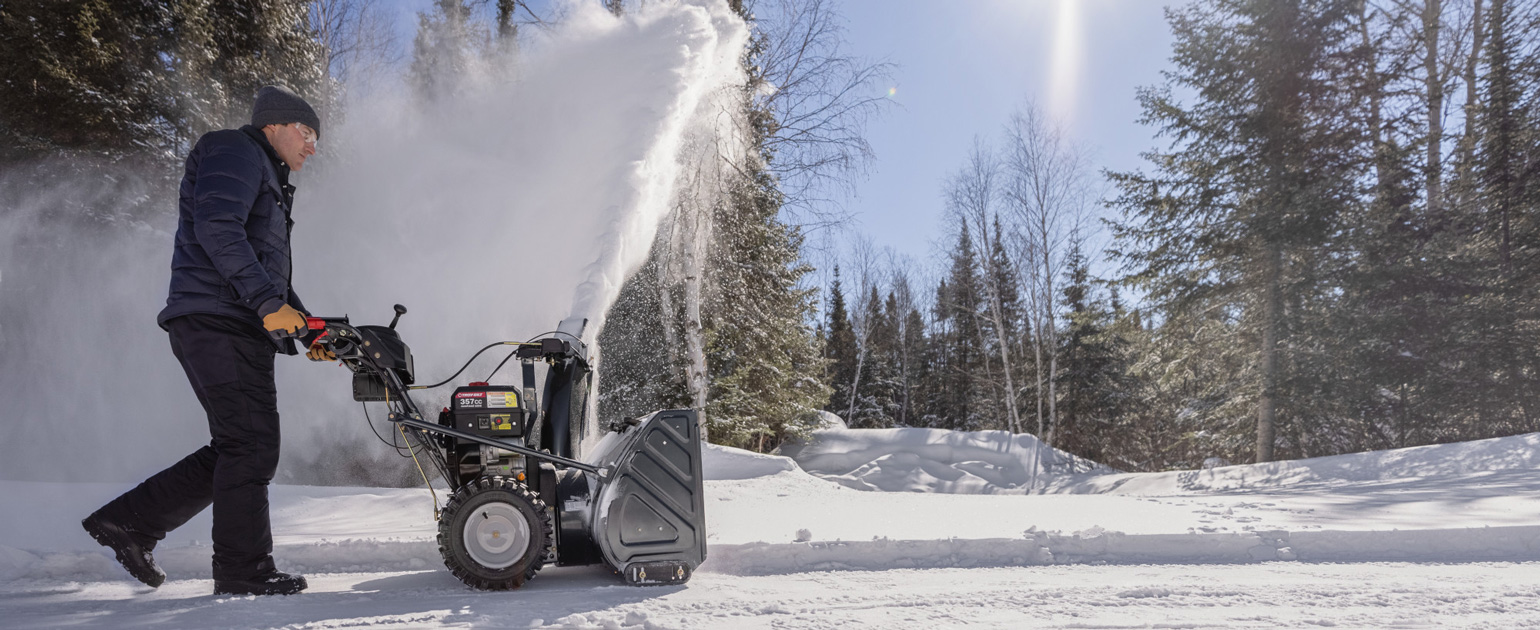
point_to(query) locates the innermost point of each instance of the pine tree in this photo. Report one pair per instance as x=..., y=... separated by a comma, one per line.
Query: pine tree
x=761, y=351
x=1243, y=204
x=918, y=367
x=85, y=76
x=639, y=373
x=840, y=351
x=1094, y=388
x=1003, y=330
x=879, y=389
x=227, y=50
x=960, y=359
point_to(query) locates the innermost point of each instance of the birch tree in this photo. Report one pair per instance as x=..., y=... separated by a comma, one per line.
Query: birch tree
x=1047, y=192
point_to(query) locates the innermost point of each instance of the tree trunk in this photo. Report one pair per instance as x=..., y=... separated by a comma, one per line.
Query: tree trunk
x=1037, y=351
x=667, y=260
x=1005, y=362
x=1432, y=17
x=1051, y=328
x=855, y=383
x=697, y=235
x=1382, y=173
x=1472, y=107
x=1272, y=308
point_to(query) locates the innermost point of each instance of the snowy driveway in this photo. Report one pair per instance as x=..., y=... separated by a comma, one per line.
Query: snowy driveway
x=1270, y=595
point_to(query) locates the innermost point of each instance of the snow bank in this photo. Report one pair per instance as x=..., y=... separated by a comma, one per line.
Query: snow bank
x=725, y=462
x=936, y=460
x=1518, y=453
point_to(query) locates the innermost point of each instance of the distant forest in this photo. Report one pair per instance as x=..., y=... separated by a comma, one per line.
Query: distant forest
x=1332, y=246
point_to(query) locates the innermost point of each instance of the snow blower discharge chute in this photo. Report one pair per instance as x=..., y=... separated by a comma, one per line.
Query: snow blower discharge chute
x=521, y=497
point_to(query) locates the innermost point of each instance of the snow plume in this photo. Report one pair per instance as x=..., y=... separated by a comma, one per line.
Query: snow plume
x=526, y=196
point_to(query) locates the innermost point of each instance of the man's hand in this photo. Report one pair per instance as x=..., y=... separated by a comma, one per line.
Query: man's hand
x=319, y=352
x=285, y=321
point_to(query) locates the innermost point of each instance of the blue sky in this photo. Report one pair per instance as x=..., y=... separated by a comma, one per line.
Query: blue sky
x=965, y=65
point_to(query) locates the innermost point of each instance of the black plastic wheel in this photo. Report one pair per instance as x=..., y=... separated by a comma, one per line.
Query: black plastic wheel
x=494, y=533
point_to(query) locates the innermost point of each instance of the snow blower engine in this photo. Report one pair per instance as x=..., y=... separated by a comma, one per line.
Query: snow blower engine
x=522, y=498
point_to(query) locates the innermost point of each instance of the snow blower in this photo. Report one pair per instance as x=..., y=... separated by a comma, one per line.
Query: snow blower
x=521, y=498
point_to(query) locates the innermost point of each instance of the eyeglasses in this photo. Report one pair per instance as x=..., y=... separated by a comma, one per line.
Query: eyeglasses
x=309, y=135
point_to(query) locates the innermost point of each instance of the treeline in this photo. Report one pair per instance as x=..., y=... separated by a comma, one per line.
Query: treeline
x=1335, y=249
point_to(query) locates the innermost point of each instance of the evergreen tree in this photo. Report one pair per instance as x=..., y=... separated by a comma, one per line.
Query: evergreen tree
x=638, y=373
x=227, y=50
x=960, y=361
x=88, y=76
x=1241, y=208
x=840, y=350
x=761, y=350
x=122, y=78
x=917, y=371
x=1003, y=331
x=877, y=394
x=1093, y=381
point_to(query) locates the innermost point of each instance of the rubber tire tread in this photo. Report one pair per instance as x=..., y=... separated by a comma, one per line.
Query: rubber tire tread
x=460, y=563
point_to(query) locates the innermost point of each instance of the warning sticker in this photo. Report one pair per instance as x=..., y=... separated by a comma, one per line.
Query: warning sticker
x=502, y=422
x=502, y=399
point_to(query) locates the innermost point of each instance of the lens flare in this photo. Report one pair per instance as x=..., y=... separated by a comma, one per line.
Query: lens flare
x=1066, y=67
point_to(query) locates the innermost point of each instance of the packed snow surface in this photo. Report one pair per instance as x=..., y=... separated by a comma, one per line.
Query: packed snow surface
x=1362, y=538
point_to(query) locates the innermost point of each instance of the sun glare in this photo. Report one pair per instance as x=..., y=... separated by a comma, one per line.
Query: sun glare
x=1065, y=61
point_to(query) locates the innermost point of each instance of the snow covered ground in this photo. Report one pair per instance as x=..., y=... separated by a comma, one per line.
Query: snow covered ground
x=1438, y=536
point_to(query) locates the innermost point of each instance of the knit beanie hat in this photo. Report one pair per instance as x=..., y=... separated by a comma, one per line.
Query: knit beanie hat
x=276, y=105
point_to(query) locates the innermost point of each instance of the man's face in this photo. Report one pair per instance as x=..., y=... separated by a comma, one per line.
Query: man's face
x=293, y=142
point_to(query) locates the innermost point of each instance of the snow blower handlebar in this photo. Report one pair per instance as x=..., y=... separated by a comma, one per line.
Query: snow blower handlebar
x=376, y=354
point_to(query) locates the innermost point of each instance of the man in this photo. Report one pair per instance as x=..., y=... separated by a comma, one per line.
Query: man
x=230, y=310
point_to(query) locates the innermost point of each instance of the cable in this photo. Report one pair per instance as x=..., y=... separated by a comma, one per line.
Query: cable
x=420, y=471
x=488, y=379
x=467, y=364
x=392, y=443
x=499, y=365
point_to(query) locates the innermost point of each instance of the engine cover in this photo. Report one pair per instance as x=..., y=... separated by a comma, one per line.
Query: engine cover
x=490, y=410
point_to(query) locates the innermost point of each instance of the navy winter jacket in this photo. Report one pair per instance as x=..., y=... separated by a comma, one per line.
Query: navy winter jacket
x=232, y=253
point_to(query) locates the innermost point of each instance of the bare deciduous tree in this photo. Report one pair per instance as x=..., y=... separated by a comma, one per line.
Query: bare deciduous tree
x=360, y=40
x=821, y=98
x=1048, y=191
x=864, y=262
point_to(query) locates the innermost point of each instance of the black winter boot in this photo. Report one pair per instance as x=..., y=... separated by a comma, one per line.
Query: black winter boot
x=131, y=553
x=275, y=583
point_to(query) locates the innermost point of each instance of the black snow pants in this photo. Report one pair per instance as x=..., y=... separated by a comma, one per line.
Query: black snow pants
x=230, y=365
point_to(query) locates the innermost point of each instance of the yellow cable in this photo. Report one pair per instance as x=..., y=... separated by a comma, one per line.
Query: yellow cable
x=413, y=451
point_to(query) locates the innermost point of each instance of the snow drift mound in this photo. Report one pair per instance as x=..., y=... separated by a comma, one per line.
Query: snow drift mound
x=1519, y=454
x=722, y=463
x=937, y=460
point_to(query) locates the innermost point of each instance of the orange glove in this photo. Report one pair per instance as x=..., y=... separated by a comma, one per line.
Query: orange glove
x=319, y=352
x=285, y=320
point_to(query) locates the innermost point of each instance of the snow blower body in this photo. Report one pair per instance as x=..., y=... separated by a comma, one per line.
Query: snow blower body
x=522, y=497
